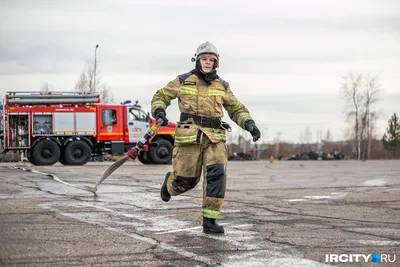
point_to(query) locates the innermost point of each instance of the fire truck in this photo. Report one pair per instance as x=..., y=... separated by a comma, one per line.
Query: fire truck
x=72, y=127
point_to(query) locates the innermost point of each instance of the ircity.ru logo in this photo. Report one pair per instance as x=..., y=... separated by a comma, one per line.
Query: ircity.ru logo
x=360, y=258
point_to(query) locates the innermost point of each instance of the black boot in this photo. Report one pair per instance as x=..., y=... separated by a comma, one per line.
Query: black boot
x=164, y=191
x=210, y=227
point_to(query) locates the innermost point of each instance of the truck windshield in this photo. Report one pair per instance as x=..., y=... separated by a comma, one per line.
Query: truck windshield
x=137, y=114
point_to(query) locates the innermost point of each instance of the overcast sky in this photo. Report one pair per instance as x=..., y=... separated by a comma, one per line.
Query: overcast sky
x=283, y=59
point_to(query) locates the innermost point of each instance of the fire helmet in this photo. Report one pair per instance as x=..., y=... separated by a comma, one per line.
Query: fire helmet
x=207, y=48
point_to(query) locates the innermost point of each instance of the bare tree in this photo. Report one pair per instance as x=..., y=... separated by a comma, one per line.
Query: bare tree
x=93, y=75
x=305, y=139
x=277, y=141
x=81, y=84
x=372, y=132
x=308, y=134
x=319, y=134
x=90, y=81
x=351, y=92
x=46, y=87
x=371, y=96
x=106, y=95
x=328, y=136
x=361, y=92
x=319, y=138
x=327, y=142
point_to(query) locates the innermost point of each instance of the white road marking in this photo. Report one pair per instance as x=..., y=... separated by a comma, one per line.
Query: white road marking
x=375, y=182
x=296, y=200
x=317, y=197
x=242, y=225
x=148, y=240
x=333, y=195
x=200, y=227
x=339, y=195
x=185, y=229
x=231, y=211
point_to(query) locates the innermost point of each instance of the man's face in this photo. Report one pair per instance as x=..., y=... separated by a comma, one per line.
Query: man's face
x=207, y=63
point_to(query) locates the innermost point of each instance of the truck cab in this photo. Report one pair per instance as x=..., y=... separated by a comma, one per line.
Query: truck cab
x=122, y=126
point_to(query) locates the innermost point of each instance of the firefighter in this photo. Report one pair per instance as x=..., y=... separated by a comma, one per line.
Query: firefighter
x=200, y=137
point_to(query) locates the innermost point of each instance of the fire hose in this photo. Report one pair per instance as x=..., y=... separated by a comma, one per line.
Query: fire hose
x=134, y=152
x=131, y=154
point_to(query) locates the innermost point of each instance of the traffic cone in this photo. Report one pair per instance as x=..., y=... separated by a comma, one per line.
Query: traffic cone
x=271, y=159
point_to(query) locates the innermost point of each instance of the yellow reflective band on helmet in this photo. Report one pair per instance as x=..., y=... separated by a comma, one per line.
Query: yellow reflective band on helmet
x=188, y=90
x=215, y=92
x=185, y=139
x=212, y=214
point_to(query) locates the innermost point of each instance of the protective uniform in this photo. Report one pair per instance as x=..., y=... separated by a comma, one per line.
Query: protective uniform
x=200, y=138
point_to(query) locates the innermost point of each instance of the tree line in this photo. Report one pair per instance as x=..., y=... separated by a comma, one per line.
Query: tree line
x=360, y=93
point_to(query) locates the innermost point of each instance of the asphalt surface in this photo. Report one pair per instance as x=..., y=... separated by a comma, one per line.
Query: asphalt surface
x=289, y=213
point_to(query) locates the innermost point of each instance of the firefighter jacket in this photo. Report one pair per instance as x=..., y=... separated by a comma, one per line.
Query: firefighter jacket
x=196, y=97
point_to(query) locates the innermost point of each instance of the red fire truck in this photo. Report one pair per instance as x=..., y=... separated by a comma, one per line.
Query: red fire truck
x=72, y=127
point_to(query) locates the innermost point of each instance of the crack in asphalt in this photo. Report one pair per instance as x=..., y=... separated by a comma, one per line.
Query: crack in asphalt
x=367, y=234
x=303, y=214
x=269, y=238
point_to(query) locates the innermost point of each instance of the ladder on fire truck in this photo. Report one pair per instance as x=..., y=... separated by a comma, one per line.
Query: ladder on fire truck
x=54, y=97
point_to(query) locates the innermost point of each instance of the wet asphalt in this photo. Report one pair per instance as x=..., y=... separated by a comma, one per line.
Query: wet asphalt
x=288, y=213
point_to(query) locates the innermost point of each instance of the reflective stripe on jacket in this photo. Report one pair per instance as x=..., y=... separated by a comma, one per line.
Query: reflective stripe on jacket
x=197, y=97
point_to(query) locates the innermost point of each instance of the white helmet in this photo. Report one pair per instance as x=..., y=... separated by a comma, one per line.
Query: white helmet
x=207, y=48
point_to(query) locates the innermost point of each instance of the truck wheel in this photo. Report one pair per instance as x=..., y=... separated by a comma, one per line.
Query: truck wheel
x=62, y=160
x=161, y=154
x=45, y=152
x=77, y=152
x=31, y=160
x=144, y=158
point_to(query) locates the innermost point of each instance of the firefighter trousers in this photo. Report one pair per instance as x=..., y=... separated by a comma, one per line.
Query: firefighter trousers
x=188, y=162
